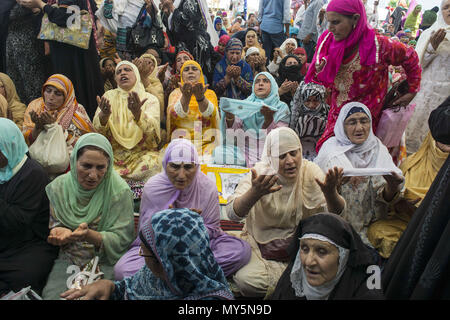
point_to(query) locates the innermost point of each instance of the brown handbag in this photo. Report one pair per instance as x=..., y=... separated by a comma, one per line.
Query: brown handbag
x=276, y=249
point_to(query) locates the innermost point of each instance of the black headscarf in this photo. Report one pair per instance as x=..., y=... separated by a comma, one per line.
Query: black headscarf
x=353, y=282
x=419, y=266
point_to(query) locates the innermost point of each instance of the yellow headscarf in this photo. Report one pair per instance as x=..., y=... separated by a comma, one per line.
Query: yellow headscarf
x=14, y=104
x=155, y=87
x=122, y=124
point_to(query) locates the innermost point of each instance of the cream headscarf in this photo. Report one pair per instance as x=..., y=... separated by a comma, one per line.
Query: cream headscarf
x=3, y=107
x=155, y=87
x=122, y=124
x=276, y=215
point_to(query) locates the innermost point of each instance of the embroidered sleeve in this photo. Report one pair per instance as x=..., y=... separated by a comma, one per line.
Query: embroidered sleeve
x=209, y=111
x=220, y=87
x=244, y=86
x=179, y=110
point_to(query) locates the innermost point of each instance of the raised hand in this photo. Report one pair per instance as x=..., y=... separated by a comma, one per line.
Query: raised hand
x=80, y=233
x=105, y=110
x=47, y=118
x=264, y=184
x=267, y=113
x=186, y=90
x=162, y=72
x=199, y=90
x=135, y=104
x=437, y=38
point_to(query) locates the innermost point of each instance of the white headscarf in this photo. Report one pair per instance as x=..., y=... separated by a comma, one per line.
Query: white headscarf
x=298, y=277
x=341, y=152
x=251, y=50
x=288, y=40
x=425, y=37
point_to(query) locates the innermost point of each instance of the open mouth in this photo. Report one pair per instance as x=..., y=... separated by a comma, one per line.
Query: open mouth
x=291, y=170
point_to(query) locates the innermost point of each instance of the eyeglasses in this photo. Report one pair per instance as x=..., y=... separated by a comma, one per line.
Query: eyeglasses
x=141, y=253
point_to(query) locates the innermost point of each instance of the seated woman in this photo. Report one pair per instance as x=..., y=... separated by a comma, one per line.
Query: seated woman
x=289, y=77
x=254, y=59
x=328, y=263
x=8, y=90
x=164, y=276
x=233, y=77
x=107, y=69
x=183, y=185
x=218, y=27
x=372, y=182
x=57, y=104
x=193, y=111
x=25, y=256
x=309, y=114
x=420, y=170
x=130, y=118
x=281, y=190
x=91, y=211
x=252, y=40
x=256, y=116
x=287, y=47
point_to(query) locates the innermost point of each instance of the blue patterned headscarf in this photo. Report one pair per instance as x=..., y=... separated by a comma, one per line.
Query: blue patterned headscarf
x=12, y=146
x=180, y=241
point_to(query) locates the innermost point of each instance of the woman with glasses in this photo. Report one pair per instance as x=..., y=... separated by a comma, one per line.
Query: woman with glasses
x=371, y=180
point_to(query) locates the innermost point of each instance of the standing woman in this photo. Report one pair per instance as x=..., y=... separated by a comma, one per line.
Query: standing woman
x=80, y=65
x=433, y=49
x=353, y=61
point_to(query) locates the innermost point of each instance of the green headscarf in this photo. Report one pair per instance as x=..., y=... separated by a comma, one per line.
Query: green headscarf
x=413, y=20
x=73, y=205
x=429, y=17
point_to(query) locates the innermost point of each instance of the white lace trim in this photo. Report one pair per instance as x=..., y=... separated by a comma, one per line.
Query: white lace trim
x=209, y=111
x=179, y=110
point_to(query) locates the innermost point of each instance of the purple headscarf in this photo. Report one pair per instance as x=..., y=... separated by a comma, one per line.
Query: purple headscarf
x=333, y=51
x=202, y=194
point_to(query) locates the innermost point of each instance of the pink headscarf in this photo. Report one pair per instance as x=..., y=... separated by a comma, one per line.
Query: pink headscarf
x=333, y=51
x=202, y=194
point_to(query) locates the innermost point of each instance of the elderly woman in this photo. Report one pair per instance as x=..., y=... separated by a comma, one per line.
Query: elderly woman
x=309, y=113
x=8, y=90
x=255, y=60
x=165, y=276
x=433, y=49
x=252, y=40
x=372, y=182
x=233, y=77
x=26, y=258
x=183, y=185
x=193, y=110
x=328, y=262
x=91, y=212
x=256, y=116
x=108, y=68
x=130, y=118
x=281, y=190
x=289, y=77
x=287, y=47
x=353, y=61
x=58, y=104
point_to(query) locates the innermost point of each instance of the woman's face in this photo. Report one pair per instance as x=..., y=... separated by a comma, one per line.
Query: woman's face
x=262, y=86
x=218, y=26
x=155, y=54
x=125, y=77
x=2, y=89
x=234, y=56
x=446, y=12
x=151, y=261
x=312, y=102
x=341, y=26
x=290, y=47
x=289, y=164
x=250, y=39
x=291, y=62
x=222, y=47
x=181, y=59
x=53, y=97
x=109, y=65
x=191, y=73
x=150, y=63
x=357, y=127
x=320, y=261
x=417, y=9
x=182, y=174
x=3, y=160
x=92, y=166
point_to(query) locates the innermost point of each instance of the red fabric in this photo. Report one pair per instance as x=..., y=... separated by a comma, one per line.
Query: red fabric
x=370, y=83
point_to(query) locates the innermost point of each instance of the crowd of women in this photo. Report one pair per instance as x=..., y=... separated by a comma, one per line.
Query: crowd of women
x=92, y=138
